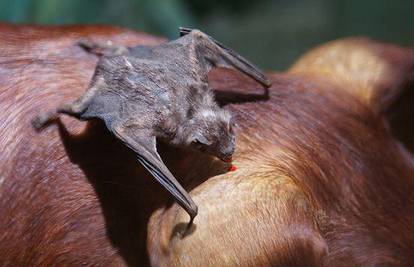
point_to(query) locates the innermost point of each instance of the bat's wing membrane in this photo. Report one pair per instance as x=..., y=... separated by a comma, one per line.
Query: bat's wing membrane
x=221, y=55
x=144, y=145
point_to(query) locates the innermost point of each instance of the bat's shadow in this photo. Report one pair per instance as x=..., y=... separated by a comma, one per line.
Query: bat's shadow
x=127, y=194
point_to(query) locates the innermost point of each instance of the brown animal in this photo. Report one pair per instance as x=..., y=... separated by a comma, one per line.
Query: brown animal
x=321, y=181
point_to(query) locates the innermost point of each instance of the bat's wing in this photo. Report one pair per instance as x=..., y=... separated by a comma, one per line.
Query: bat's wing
x=219, y=55
x=144, y=144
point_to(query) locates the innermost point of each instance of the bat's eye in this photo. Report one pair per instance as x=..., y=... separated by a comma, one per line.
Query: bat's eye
x=201, y=140
x=197, y=143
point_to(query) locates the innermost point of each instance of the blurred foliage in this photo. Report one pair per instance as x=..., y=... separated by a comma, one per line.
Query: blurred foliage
x=271, y=33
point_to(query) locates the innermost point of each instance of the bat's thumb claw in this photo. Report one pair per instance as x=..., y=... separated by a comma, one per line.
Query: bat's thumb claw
x=193, y=211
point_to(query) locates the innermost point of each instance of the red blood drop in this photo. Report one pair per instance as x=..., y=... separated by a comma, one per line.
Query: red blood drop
x=232, y=168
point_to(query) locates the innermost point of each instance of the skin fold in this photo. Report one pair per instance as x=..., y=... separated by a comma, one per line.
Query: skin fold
x=321, y=178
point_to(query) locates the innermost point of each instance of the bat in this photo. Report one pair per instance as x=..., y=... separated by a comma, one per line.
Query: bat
x=143, y=93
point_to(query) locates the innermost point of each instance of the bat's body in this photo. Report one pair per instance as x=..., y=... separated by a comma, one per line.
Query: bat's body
x=148, y=92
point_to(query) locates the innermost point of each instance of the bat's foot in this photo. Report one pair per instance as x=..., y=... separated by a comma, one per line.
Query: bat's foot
x=43, y=119
x=102, y=49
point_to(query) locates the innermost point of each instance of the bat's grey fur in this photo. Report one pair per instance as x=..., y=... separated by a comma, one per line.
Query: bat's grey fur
x=148, y=92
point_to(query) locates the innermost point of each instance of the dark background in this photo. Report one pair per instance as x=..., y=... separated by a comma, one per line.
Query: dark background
x=271, y=33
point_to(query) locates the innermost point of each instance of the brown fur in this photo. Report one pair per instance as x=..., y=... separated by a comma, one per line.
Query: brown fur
x=320, y=179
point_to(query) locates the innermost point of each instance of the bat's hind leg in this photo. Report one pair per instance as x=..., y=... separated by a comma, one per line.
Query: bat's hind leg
x=75, y=110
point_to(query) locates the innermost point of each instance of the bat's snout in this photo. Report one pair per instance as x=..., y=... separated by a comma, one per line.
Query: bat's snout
x=226, y=154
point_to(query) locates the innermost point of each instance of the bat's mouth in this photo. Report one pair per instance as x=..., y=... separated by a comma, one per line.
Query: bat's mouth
x=227, y=159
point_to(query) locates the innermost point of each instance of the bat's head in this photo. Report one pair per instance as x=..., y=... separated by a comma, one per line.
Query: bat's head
x=211, y=131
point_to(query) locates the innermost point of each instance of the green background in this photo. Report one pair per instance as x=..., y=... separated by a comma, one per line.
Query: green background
x=272, y=34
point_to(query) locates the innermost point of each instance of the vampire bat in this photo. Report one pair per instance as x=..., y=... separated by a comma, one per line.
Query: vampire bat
x=148, y=92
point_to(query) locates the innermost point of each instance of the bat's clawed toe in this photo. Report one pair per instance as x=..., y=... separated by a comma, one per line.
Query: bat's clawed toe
x=102, y=49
